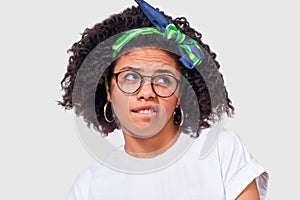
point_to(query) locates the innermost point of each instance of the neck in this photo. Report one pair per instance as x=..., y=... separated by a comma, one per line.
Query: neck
x=152, y=146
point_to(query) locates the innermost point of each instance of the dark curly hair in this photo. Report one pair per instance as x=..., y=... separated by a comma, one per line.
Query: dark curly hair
x=205, y=81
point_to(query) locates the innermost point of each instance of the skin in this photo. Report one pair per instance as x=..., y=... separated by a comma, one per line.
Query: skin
x=146, y=135
x=250, y=192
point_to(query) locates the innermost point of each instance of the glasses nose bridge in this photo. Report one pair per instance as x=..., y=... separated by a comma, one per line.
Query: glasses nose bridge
x=142, y=84
x=143, y=79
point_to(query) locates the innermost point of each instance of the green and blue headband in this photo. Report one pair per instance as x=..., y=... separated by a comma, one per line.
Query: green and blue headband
x=191, y=52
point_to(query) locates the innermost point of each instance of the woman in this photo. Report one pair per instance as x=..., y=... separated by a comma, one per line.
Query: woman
x=158, y=86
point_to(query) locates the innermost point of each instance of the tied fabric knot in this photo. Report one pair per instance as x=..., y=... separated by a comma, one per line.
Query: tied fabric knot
x=192, y=54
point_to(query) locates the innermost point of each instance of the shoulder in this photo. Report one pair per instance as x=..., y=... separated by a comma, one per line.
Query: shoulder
x=228, y=136
x=220, y=140
x=229, y=142
x=231, y=149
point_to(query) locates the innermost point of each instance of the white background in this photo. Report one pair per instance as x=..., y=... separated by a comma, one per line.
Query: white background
x=257, y=43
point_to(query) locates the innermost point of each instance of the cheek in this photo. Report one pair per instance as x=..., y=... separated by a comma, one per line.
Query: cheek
x=120, y=104
x=119, y=101
x=169, y=105
x=116, y=96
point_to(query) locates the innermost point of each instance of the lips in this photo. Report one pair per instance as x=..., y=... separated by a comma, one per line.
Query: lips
x=147, y=109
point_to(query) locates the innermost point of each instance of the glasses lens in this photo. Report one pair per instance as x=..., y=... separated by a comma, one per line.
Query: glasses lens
x=129, y=81
x=164, y=85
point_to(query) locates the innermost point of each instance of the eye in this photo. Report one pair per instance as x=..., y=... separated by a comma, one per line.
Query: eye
x=162, y=80
x=130, y=76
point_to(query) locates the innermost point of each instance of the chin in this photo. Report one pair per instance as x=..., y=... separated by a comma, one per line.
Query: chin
x=144, y=130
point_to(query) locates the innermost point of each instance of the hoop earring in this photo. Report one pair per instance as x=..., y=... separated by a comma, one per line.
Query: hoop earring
x=178, y=116
x=104, y=112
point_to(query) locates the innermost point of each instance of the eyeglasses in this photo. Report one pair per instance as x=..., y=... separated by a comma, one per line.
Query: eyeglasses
x=163, y=85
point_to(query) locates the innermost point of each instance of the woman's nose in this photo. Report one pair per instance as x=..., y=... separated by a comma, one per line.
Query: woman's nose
x=146, y=91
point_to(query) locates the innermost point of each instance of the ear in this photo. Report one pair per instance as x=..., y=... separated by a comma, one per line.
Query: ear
x=108, y=95
x=107, y=88
x=177, y=104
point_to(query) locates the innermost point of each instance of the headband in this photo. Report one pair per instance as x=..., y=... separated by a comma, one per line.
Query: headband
x=190, y=50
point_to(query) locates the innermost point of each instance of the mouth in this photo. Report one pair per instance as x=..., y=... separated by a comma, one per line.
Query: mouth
x=146, y=110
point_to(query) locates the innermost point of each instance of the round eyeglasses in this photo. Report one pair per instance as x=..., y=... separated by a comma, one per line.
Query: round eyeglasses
x=163, y=85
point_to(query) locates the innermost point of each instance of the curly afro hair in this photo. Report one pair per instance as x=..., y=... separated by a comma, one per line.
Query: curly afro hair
x=205, y=81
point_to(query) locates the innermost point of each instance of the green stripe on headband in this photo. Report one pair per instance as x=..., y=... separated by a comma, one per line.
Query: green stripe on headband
x=130, y=35
x=189, y=46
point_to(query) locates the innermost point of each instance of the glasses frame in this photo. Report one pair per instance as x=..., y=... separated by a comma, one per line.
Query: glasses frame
x=142, y=82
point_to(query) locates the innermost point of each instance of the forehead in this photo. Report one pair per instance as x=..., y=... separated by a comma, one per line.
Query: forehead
x=147, y=59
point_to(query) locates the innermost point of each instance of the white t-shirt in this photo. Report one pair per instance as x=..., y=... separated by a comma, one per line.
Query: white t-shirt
x=220, y=175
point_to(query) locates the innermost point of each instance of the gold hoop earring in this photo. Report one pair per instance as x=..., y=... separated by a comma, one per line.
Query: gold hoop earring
x=104, y=112
x=178, y=118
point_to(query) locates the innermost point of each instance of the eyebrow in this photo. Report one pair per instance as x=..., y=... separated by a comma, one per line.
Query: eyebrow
x=129, y=68
x=164, y=71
